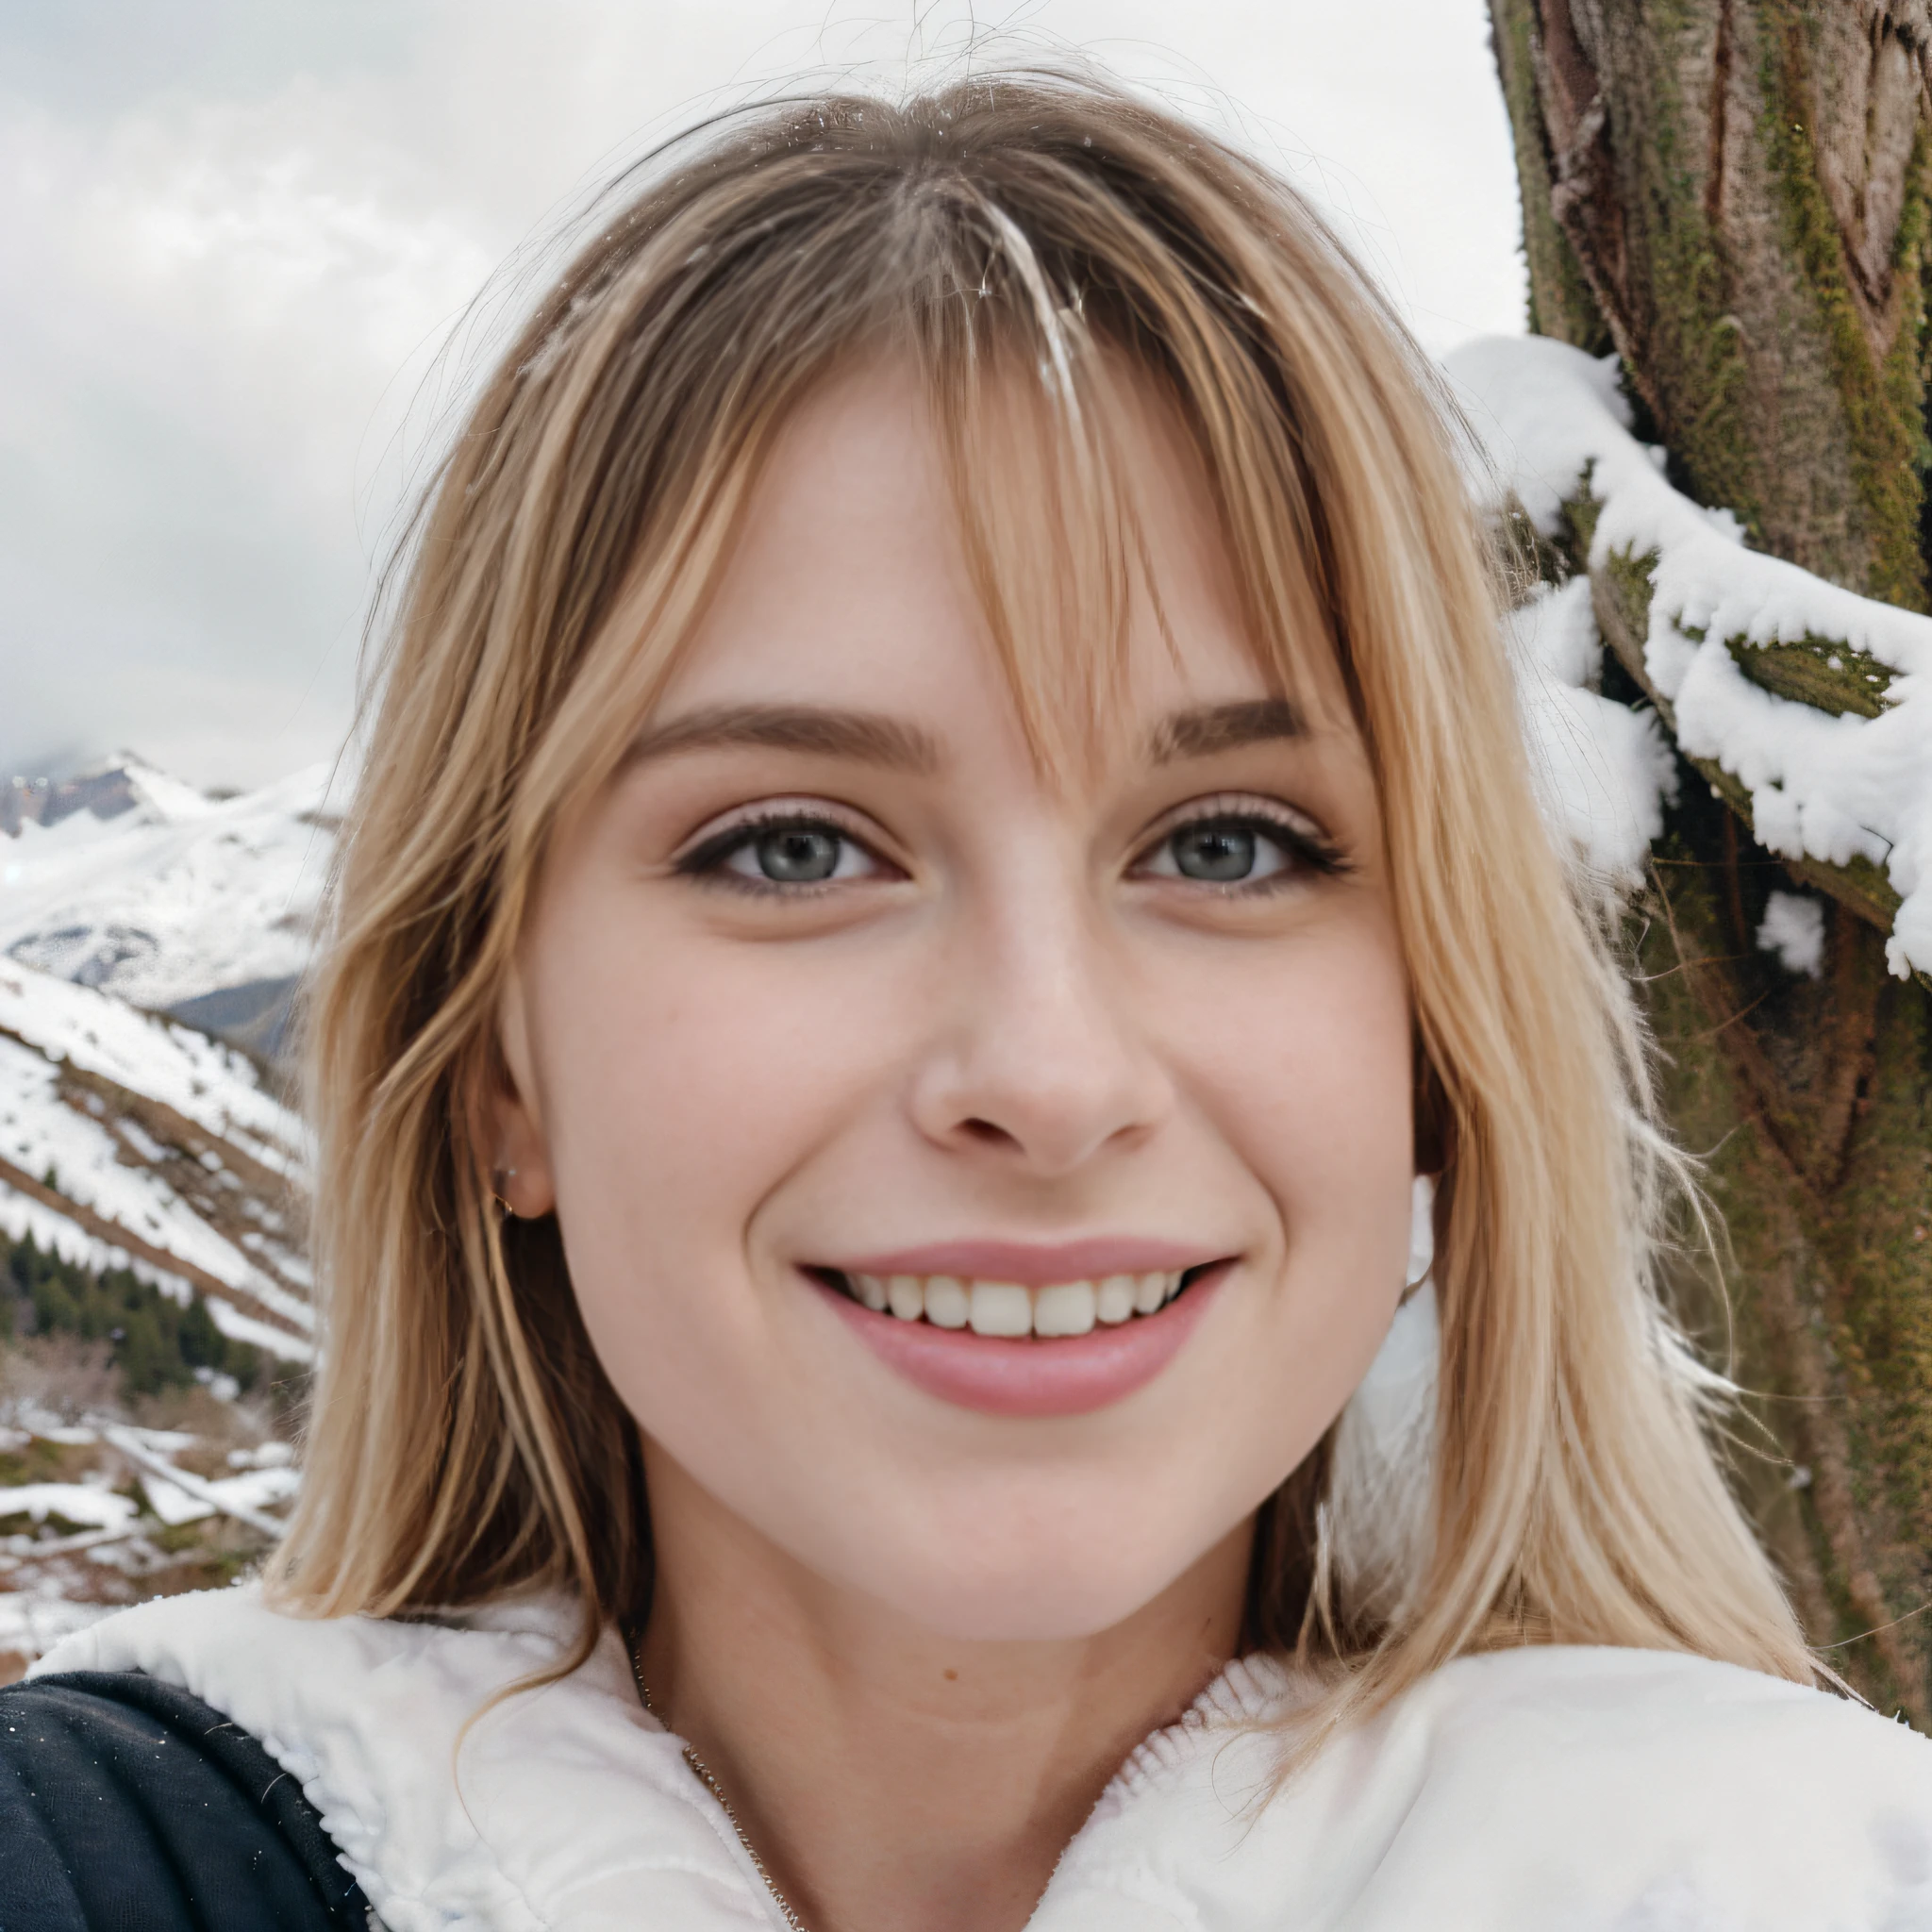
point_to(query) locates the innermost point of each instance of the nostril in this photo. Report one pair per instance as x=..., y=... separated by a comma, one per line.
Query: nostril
x=988, y=1131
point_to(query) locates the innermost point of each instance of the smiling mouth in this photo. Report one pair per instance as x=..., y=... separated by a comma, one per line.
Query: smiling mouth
x=1011, y=1308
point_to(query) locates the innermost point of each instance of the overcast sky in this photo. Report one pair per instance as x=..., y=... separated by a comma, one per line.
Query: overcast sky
x=234, y=233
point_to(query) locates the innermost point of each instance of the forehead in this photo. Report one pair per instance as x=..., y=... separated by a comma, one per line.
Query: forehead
x=853, y=581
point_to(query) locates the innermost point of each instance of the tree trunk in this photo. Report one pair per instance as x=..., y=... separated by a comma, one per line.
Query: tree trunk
x=1733, y=195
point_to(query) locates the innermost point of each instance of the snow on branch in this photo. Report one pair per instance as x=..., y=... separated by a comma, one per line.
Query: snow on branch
x=1810, y=707
x=1602, y=770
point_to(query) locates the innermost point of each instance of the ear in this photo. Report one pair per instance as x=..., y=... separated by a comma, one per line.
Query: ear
x=519, y=1156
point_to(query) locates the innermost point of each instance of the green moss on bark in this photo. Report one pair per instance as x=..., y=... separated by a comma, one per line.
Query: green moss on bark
x=1807, y=1100
x=1882, y=397
x=1561, y=303
x=1881, y=1235
x=1692, y=364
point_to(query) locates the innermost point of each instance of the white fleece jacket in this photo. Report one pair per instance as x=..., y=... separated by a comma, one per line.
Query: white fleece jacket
x=1535, y=1791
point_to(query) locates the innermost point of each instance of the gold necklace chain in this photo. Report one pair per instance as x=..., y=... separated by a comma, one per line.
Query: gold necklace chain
x=702, y=1772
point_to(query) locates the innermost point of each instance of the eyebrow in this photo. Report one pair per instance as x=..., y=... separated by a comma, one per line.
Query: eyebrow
x=866, y=736
x=1213, y=729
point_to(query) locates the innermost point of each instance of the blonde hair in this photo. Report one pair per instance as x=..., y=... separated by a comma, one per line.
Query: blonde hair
x=1038, y=236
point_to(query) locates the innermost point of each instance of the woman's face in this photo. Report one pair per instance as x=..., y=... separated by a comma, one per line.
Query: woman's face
x=834, y=996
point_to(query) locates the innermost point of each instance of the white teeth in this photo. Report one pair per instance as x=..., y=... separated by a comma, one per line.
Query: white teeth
x=1009, y=1309
x=1065, y=1309
x=947, y=1304
x=1001, y=1307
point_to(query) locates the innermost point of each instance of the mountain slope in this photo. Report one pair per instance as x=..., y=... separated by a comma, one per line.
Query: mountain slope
x=129, y=902
x=130, y=1140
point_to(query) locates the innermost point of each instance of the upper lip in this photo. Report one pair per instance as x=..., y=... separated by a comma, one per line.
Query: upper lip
x=1036, y=1264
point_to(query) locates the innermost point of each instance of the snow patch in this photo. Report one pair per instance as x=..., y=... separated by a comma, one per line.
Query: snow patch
x=257, y=1489
x=23, y=1218
x=1793, y=928
x=87, y=1503
x=33, y=1622
x=1603, y=770
x=237, y=1326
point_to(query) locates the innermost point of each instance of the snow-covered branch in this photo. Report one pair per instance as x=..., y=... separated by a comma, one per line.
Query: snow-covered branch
x=1809, y=707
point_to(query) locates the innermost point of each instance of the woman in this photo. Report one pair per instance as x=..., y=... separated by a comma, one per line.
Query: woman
x=944, y=874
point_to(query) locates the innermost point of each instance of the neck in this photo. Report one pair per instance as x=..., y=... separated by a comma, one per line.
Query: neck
x=889, y=1776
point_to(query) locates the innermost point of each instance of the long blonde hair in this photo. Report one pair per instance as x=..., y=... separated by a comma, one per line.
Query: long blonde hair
x=1042, y=235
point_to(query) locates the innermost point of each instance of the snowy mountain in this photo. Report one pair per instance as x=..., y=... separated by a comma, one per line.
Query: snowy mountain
x=139, y=919
x=130, y=882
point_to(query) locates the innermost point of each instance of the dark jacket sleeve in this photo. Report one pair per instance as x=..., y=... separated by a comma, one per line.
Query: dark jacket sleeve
x=127, y=1805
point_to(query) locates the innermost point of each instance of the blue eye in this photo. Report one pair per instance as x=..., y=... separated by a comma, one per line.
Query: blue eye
x=771, y=855
x=794, y=855
x=1247, y=848
x=1220, y=852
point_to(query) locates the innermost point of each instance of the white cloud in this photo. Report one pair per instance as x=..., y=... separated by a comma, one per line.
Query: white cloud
x=228, y=255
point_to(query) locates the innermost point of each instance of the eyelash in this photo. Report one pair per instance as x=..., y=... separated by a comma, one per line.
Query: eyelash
x=1309, y=849
x=706, y=861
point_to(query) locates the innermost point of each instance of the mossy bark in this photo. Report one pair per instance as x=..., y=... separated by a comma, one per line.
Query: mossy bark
x=1740, y=187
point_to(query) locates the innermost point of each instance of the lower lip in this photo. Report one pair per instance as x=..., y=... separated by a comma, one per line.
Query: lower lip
x=1070, y=1375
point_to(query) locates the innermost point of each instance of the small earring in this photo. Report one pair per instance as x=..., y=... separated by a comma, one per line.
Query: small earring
x=498, y=1181
x=1421, y=1233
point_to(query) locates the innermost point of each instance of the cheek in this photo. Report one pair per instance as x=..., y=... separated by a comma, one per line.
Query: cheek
x=684, y=1079
x=685, y=1088
x=1303, y=1064
x=1303, y=1057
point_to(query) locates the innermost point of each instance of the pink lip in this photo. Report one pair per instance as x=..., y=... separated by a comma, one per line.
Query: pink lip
x=1033, y=1264
x=1068, y=1375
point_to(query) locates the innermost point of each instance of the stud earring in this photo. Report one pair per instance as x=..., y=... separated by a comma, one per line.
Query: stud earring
x=500, y=1179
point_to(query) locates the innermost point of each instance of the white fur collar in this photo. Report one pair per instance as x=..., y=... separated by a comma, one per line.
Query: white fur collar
x=1596, y=1791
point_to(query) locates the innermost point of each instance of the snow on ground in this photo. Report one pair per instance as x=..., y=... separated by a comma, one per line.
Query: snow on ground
x=1551, y=418
x=182, y=896
x=90, y=1506
x=80, y=1547
x=257, y=1489
x=33, y=1620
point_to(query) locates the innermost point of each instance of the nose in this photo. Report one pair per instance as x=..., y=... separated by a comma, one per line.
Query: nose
x=1036, y=1059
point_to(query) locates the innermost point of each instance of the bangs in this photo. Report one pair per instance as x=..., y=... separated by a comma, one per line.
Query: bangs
x=1059, y=335
x=1051, y=318
x=1045, y=446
